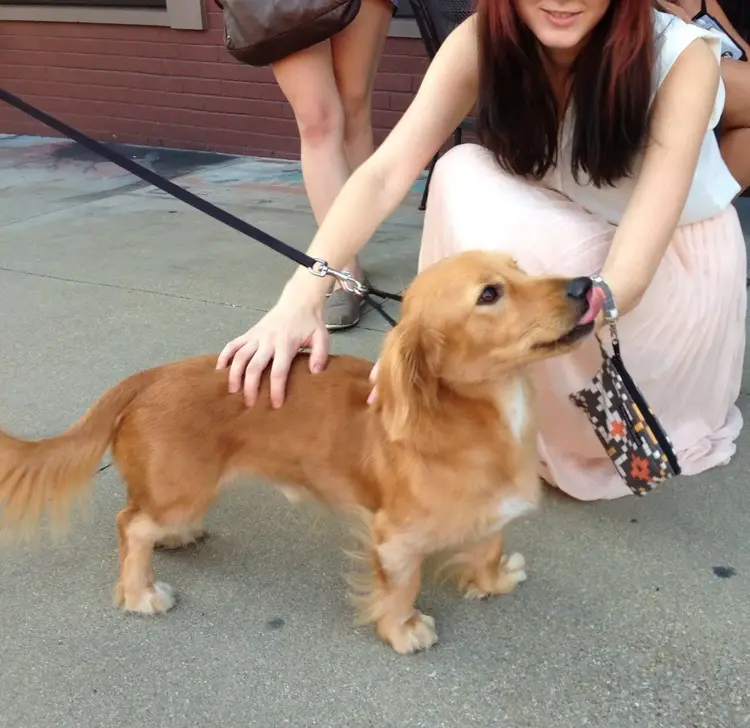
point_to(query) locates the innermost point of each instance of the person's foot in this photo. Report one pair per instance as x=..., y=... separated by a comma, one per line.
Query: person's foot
x=343, y=308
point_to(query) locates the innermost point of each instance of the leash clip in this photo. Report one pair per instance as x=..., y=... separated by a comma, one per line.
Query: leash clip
x=348, y=282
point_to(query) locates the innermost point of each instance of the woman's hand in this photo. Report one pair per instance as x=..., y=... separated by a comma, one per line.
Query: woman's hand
x=373, y=380
x=292, y=324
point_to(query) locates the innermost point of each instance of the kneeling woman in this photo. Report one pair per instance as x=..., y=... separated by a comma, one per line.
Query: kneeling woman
x=597, y=157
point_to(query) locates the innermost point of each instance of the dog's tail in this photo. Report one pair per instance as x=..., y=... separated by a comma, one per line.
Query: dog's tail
x=48, y=475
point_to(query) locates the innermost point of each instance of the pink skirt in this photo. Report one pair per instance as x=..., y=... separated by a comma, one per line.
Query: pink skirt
x=684, y=343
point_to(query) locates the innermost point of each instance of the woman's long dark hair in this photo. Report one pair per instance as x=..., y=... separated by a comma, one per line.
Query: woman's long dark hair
x=611, y=92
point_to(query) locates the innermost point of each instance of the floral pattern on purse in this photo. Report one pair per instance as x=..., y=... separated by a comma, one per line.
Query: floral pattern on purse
x=630, y=433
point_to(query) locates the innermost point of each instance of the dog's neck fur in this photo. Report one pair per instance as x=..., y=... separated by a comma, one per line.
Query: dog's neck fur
x=504, y=406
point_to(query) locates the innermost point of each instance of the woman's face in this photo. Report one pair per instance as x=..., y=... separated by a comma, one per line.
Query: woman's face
x=562, y=27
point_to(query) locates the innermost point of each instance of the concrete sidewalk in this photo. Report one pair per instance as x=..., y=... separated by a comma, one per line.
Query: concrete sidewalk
x=635, y=615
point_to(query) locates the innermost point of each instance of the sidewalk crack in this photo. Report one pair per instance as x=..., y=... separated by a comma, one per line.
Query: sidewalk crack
x=130, y=289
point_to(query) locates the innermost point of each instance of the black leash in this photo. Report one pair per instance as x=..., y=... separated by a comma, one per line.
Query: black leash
x=316, y=266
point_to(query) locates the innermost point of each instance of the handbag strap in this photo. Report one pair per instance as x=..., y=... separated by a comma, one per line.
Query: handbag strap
x=611, y=314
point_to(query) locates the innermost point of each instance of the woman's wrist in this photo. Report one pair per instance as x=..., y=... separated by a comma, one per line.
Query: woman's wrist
x=306, y=287
x=625, y=295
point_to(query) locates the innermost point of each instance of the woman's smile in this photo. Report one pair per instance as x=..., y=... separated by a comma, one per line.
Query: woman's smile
x=561, y=19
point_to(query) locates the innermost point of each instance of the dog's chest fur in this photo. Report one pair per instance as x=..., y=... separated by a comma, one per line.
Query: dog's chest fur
x=508, y=510
x=515, y=407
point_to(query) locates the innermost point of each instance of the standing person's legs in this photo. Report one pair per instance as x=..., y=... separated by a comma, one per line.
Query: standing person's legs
x=356, y=53
x=308, y=82
x=329, y=87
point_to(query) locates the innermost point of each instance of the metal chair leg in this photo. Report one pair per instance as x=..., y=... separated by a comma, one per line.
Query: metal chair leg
x=423, y=204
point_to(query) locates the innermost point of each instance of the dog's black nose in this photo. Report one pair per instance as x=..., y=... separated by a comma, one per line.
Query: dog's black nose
x=579, y=288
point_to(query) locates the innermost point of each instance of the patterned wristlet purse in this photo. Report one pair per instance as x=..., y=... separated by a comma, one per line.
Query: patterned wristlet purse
x=624, y=423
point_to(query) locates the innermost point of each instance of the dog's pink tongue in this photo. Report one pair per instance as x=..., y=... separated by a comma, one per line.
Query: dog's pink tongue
x=595, y=298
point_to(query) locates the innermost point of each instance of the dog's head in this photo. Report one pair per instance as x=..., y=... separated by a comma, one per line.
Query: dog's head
x=469, y=320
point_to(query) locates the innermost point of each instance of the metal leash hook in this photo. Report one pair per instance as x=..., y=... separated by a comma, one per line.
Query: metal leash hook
x=348, y=282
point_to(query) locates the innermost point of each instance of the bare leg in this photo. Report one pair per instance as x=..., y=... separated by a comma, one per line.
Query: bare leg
x=735, y=149
x=715, y=9
x=329, y=87
x=735, y=138
x=356, y=52
x=308, y=82
x=483, y=570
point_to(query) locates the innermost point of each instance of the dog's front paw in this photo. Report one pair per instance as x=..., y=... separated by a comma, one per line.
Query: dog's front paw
x=415, y=635
x=155, y=600
x=511, y=573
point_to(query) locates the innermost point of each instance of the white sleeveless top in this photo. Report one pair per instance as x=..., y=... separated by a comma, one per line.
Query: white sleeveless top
x=713, y=187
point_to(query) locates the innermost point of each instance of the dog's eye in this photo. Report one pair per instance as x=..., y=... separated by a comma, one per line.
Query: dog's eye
x=490, y=294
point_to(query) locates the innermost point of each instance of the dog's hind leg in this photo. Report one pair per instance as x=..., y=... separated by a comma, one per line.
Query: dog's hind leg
x=138, y=591
x=169, y=492
x=185, y=535
x=483, y=569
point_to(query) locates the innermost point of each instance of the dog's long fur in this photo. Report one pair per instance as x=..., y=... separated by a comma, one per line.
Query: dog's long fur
x=443, y=460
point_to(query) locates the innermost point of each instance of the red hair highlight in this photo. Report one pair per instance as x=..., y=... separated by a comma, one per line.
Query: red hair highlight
x=630, y=43
x=610, y=91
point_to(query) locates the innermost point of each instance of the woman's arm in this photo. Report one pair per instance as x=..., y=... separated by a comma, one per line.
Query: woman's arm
x=680, y=117
x=673, y=7
x=446, y=96
x=688, y=9
x=715, y=9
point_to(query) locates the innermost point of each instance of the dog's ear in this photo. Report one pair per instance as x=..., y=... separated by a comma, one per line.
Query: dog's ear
x=408, y=378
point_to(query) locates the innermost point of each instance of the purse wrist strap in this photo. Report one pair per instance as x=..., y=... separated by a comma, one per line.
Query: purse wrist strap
x=609, y=310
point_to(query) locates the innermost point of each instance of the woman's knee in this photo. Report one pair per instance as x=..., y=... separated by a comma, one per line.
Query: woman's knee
x=309, y=84
x=320, y=121
x=357, y=109
x=356, y=52
x=463, y=162
x=459, y=155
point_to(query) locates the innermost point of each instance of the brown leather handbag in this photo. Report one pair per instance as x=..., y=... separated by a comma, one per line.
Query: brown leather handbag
x=260, y=32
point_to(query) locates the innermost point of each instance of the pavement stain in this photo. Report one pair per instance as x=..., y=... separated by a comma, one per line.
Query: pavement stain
x=724, y=572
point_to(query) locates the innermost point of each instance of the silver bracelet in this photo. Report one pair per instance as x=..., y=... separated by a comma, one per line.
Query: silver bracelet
x=609, y=309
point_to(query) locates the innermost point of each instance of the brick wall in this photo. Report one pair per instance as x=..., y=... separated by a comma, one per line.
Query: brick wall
x=164, y=87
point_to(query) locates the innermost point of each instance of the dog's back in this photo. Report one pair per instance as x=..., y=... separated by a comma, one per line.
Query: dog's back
x=177, y=435
x=317, y=441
